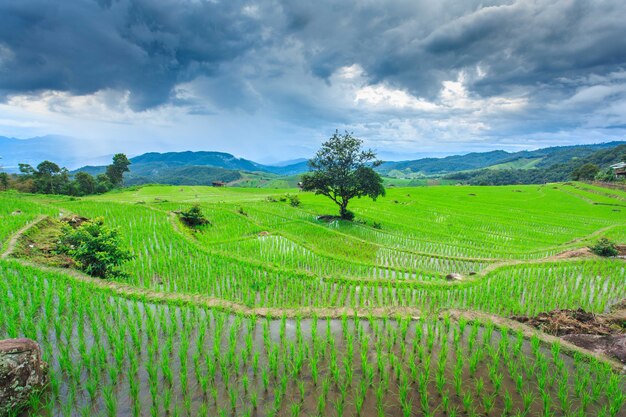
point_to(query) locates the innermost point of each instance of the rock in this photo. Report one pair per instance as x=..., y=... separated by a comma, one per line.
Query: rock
x=22, y=372
x=472, y=273
x=454, y=277
x=16, y=213
x=611, y=345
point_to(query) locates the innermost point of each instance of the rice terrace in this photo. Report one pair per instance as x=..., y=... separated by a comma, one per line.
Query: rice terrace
x=269, y=310
x=330, y=208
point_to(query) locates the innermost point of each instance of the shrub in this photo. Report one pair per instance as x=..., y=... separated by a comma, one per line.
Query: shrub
x=193, y=217
x=604, y=247
x=96, y=248
x=294, y=200
x=377, y=225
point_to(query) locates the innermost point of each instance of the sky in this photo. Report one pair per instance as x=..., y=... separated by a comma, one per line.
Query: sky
x=271, y=80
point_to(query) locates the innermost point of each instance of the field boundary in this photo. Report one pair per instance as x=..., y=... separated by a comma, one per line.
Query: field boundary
x=146, y=295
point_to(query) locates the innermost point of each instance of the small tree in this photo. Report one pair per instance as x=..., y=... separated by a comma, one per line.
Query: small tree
x=343, y=171
x=116, y=170
x=194, y=216
x=604, y=247
x=96, y=248
x=4, y=180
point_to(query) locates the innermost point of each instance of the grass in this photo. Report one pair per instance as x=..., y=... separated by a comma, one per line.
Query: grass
x=182, y=335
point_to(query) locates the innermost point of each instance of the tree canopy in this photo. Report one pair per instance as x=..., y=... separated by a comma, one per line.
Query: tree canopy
x=116, y=170
x=585, y=172
x=342, y=170
x=50, y=178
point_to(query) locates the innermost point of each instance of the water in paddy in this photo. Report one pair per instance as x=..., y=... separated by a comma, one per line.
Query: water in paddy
x=126, y=358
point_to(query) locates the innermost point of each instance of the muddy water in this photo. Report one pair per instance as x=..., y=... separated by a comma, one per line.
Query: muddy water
x=231, y=343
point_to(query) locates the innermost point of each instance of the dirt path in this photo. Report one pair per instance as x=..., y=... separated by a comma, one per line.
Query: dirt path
x=17, y=235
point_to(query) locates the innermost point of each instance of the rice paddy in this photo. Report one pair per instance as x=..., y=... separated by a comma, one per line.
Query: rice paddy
x=270, y=311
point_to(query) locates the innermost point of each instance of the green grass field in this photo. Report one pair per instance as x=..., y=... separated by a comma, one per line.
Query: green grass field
x=269, y=311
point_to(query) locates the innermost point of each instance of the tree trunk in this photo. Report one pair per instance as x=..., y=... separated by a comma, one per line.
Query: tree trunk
x=343, y=210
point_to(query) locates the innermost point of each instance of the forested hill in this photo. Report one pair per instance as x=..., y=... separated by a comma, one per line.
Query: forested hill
x=194, y=168
x=583, y=168
x=540, y=158
x=494, y=167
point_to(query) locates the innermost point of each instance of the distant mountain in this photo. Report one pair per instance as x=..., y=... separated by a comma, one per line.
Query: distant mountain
x=214, y=159
x=180, y=175
x=194, y=168
x=448, y=164
x=204, y=167
x=554, y=168
x=65, y=151
x=540, y=158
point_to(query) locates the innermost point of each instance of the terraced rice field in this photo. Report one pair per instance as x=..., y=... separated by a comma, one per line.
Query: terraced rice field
x=271, y=312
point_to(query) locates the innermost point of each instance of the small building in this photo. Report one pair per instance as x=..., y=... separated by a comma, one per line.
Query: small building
x=619, y=169
x=218, y=184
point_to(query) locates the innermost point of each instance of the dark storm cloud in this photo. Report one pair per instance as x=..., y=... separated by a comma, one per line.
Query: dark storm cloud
x=279, y=60
x=418, y=44
x=146, y=47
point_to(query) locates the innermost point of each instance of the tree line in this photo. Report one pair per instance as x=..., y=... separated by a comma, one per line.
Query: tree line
x=49, y=178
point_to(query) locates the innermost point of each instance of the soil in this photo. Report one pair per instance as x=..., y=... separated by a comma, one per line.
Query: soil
x=611, y=345
x=566, y=322
x=600, y=333
x=575, y=253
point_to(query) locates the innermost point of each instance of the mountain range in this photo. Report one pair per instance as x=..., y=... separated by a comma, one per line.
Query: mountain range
x=204, y=167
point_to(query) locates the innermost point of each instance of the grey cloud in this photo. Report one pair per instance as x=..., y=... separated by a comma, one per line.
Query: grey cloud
x=143, y=46
x=416, y=45
x=278, y=61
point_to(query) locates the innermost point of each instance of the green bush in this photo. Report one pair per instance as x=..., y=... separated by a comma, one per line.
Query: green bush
x=604, y=247
x=96, y=248
x=294, y=200
x=193, y=217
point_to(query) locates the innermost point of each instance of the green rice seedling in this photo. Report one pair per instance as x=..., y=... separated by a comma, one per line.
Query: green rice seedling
x=468, y=403
x=488, y=403
x=527, y=400
x=110, y=401
x=507, y=404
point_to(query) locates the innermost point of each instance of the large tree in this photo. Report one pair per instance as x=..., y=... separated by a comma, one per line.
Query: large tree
x=49, y=177
x=342, y=170
x=116, y=170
